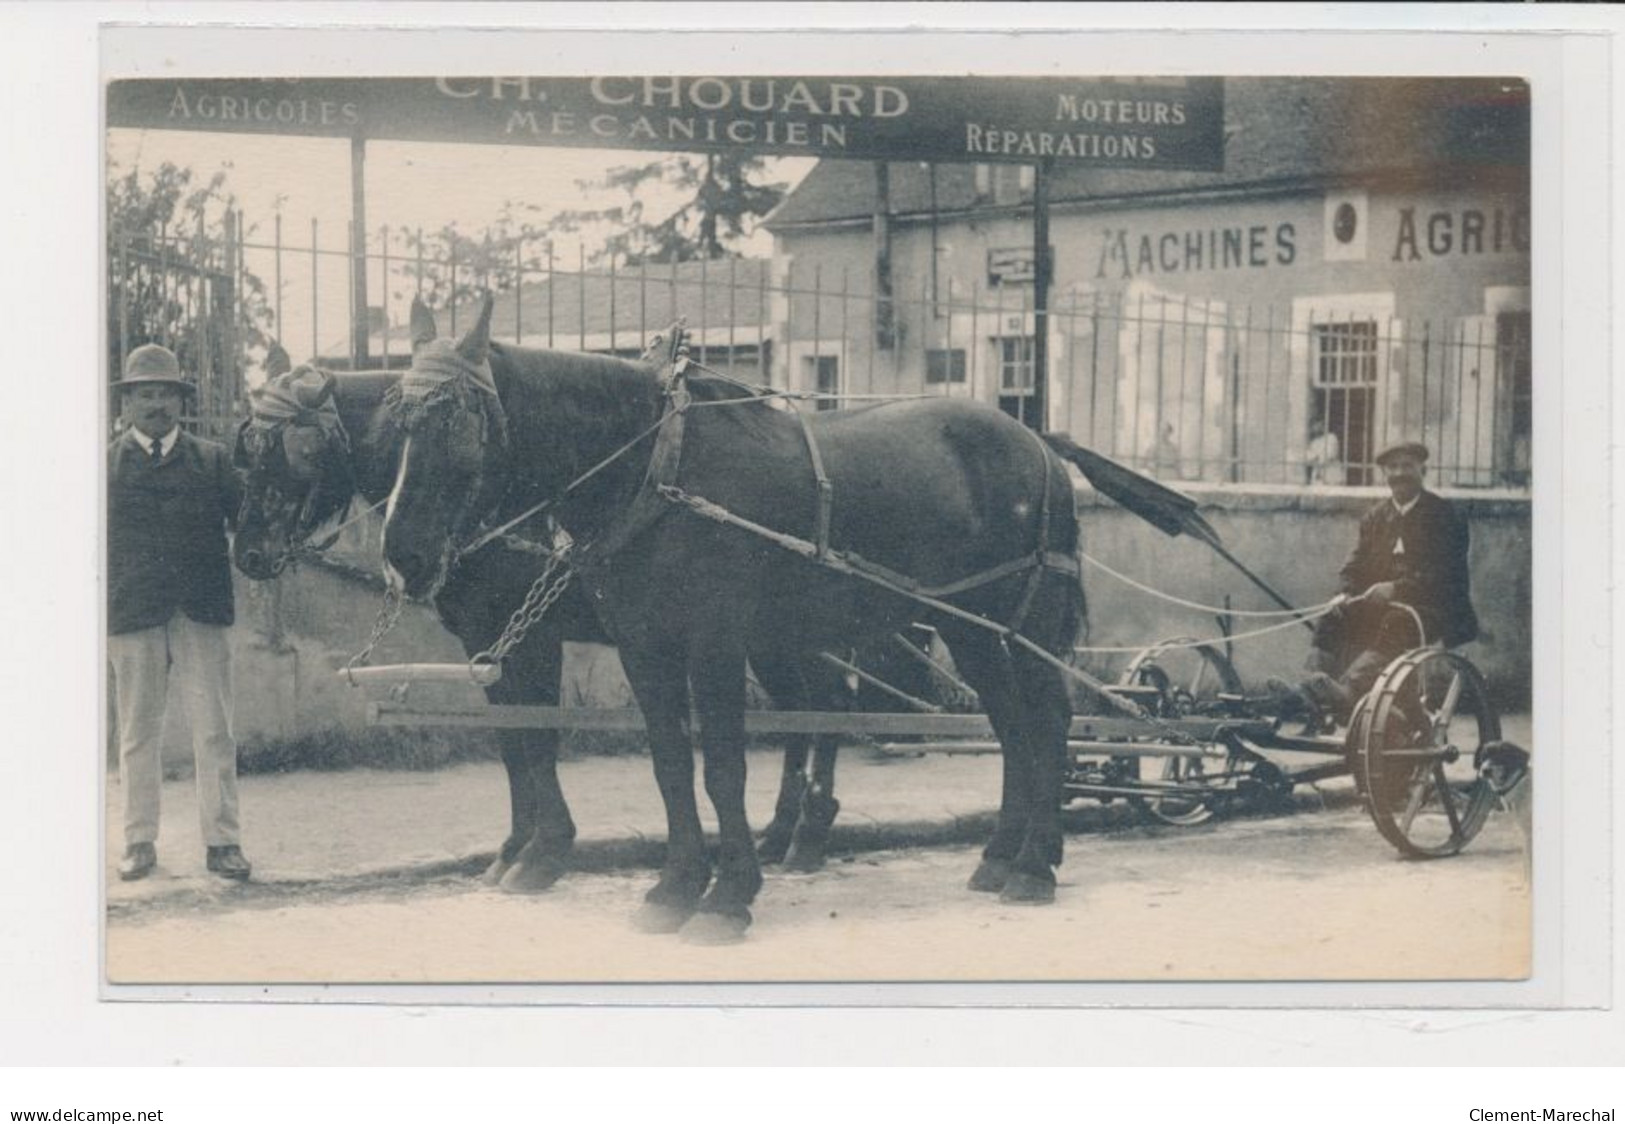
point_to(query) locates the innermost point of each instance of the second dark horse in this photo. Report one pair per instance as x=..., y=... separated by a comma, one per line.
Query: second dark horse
x=302, y=472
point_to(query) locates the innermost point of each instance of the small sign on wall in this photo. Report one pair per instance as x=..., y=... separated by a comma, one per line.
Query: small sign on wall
x=1014, y=266
x=1344, y=238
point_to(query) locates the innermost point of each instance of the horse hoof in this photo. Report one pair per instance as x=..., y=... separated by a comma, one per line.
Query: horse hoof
x=773, y=847
x=532, y=876
x=990, y=876
x=496, y=871
x=804, y=858
x=716, y=928
x=1027, y=889
x=652, y=917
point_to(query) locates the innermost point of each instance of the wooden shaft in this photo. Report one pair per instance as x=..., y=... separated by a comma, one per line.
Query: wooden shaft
x=773, y=721
x=480, y=675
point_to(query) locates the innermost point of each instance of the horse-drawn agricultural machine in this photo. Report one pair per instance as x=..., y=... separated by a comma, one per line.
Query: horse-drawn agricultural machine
x=1424, y=746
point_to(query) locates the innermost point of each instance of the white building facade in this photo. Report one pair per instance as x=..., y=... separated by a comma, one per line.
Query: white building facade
x=1358, y=273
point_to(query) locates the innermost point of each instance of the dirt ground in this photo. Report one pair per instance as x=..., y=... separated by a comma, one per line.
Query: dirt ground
x=1312, y=896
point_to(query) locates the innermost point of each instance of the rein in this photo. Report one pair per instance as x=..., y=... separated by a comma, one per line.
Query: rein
x=564, y=493
x=333, y=536
x=757, y=390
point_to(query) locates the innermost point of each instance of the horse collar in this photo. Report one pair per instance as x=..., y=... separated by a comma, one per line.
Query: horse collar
x=649, y=504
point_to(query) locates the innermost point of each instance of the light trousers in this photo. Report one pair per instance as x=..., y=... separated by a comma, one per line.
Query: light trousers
x=194, y=659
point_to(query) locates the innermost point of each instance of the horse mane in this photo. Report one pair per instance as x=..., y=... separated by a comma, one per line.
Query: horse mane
x=590, y=397
x=365, y=388
x=361, y=398
x=586, y=400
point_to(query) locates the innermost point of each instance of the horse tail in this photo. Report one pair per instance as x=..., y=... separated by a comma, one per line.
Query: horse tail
x=1169, y=511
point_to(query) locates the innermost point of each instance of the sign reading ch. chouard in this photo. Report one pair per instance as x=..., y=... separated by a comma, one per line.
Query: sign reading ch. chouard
x=1109, y=122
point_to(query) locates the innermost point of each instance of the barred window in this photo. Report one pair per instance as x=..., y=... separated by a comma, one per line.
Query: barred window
x=1513, y=355
x=1015, y=364
x=944, y=366
x=1343, y=400
x=1346, y=353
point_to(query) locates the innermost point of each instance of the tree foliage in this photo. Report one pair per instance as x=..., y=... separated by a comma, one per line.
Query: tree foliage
x=448, y=266
x=721, y=203
x=168, y=280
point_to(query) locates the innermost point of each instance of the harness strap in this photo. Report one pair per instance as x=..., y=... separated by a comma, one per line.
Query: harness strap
x=850, y=562
x=826, y=490
x=1020, y=616
x=668, y=430
x=646, y=507
x=1048, y=560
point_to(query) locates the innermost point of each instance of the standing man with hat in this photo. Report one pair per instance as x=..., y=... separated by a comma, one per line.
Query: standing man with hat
x=1412, y=551
x=170, y=498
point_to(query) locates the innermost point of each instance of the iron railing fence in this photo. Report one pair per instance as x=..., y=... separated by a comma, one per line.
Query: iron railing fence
x=182, y=289
x=1186, y=388
x=1302, y=395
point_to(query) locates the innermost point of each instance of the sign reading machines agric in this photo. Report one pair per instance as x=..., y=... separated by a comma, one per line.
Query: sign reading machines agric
x=1108, y=122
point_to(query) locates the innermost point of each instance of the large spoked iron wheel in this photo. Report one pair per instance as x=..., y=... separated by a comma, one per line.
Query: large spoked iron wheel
x=1186, y=680
x=1415, y=743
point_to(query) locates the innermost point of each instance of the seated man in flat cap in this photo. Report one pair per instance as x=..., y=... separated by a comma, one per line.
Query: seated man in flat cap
x=170, y=498
x=1412, y=551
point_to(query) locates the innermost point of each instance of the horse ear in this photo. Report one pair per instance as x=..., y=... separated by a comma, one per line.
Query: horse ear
x=476, y=345
x=277, y=361
x=423, y=329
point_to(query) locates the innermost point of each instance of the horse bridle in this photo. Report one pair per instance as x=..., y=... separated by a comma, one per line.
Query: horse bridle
x=335, y=440
x=457, y=390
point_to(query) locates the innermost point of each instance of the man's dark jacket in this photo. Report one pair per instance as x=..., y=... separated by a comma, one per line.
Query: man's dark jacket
x=1430, y=574
x=166, y=533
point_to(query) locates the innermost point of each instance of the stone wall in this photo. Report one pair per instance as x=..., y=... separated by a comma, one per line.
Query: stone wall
x=1297, y=541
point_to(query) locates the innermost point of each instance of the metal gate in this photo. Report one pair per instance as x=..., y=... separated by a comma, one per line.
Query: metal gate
x=167, y=289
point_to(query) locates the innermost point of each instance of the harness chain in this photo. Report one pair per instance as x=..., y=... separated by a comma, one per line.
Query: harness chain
x=538, y=599
x=388, y=613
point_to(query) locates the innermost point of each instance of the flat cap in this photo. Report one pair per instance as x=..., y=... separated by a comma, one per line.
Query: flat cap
x=1403, y=449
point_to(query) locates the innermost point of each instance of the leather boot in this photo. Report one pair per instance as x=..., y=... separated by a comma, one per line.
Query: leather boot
x=228, y=862
x=138, y=861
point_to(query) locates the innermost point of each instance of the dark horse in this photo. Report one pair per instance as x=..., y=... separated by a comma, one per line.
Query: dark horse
x=336, y=441
x=945, y=496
